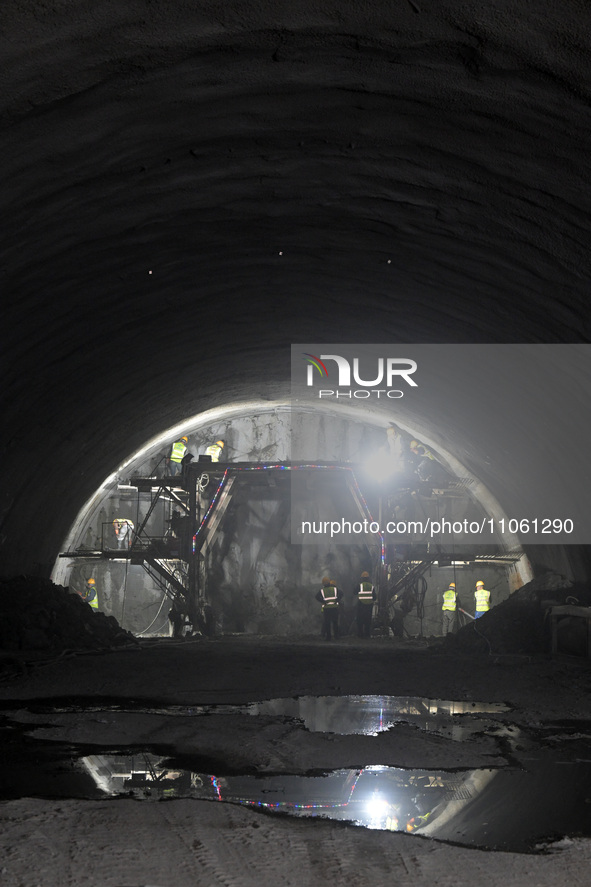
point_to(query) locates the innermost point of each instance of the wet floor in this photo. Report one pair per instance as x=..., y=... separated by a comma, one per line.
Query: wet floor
x=545, y=796
x=345, y=715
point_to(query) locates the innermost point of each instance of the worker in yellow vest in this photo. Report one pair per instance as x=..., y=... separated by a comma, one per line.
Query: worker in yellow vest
x=330, y=597
x=421, y=450
x=179, y=448
x=450, y=600
x=366, y=596
x=482, y=599
x=215, y=450
x=427, y=467
x=89, y=594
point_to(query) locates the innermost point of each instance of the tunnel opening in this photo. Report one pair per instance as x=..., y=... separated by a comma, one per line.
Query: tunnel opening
x=220, y=548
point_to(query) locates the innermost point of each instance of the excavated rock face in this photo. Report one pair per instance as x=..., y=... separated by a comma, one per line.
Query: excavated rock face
x=188, y=189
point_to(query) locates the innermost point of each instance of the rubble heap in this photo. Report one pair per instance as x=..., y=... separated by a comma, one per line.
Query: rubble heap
x=36, y=615
x=521, y=623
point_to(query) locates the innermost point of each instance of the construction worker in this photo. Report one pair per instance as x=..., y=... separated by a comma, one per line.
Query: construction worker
x=395, y=444
x=450, y=600
x=89, y=594
x=215, y=450
x=482, y=599
x=399, y=606
x=366, y=595
x=179, y=448
x=420, y=450
x=329, y=596
x=123, y=530
x=178, y=619
x=427, y=468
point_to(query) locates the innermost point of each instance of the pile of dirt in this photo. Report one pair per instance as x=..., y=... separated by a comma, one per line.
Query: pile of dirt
x=521, y=624
x=36, y=615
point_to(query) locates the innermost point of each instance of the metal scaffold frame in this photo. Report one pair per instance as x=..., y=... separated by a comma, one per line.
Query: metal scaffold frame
x=202, y=493
x=194, y=531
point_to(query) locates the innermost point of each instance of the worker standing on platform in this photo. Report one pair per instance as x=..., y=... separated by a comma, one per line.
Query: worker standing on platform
x=123, y=530
x=450, y=600
x=366, y=596
x=179, y=448
x=482, y=599
x=89, y=594
x=329, y=596
x=427, y=468
x=215, y=450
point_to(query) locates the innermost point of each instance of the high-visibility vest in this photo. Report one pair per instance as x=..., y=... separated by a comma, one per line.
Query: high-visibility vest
x=329, y=596
x=365, y=593
x=92, y=601
x=426, y=454
x=482, y=600
x=178, y=451
x=215, y=451
x=449, y=599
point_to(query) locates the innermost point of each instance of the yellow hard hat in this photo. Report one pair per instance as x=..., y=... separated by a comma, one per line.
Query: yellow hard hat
x=452, y=584
x=480, y=582
x=90, y=582
x=185, y=439
x=220, y=443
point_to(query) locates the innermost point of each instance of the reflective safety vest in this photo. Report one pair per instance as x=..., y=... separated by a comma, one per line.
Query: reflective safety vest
x=365, y=593
x=90, y=596
x=482, y=597
x=329, y=596
x=94, y=601
x=178, y=451
x=426, y=454
x=215, y=451
x=449, y=599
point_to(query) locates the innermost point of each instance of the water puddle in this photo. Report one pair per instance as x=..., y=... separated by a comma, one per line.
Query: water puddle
x=345, y=715
x=511, y=810
x=370, y=715
x=516, y=808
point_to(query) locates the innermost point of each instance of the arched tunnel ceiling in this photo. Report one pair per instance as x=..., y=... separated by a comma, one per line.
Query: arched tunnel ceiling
x=188, y=188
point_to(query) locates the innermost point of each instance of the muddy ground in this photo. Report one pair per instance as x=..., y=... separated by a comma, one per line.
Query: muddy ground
x=72, y=682
x=186, y=842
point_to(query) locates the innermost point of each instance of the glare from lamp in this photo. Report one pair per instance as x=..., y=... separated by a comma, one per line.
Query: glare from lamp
x=376, y=806
x=382, y=465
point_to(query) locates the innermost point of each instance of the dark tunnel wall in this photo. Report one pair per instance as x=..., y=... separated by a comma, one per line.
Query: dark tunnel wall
x=189, y=189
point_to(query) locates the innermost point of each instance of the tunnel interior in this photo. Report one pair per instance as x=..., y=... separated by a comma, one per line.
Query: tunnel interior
x=199, y=199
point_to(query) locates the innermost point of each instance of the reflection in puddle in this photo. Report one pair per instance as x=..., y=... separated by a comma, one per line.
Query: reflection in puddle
x=370, y=715
x=366, y=715
x=496, y=809
x=375, y=796
x=508, y=809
